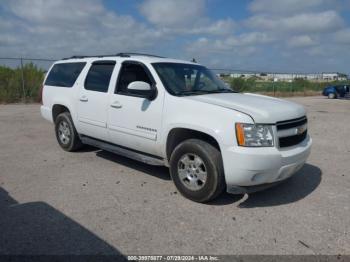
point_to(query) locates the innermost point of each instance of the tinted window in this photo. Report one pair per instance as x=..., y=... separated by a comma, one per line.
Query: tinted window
x=64, y=75
x=340, y=88
x=99, y=76
x=131, y=72
x=189, y=79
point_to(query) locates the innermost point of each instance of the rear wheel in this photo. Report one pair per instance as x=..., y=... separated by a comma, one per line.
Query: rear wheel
x=331, y=96
x=66, y=134
x=197, y=171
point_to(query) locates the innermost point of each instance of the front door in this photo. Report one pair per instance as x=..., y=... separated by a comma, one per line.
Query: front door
x=135, y=121
x=94, y=99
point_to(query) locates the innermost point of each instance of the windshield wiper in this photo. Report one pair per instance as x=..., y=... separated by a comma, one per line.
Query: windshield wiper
x=222, y=90
x=203, y=92
x=188, y=93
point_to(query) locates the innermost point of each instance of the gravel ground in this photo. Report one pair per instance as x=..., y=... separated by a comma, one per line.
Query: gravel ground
x=94, y=202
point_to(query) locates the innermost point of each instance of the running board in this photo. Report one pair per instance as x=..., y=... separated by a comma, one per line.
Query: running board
x=145, y=158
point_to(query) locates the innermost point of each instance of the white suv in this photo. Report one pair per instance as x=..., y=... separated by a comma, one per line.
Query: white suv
x=175, y=113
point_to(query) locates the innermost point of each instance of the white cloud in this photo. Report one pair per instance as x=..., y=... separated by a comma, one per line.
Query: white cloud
x=280, y=34
x=254, y=38
x=59, y=11
x=56, y=28
x=219, y=27
x=172, y=12
x=59, y=28
x=184, y=17
x=301, y=41
x=288, y=6
x=343, y=36
x=244, y=44
x=306, y=22
x=316, y=51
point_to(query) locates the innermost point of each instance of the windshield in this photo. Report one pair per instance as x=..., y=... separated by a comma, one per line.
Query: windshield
x=187, y=79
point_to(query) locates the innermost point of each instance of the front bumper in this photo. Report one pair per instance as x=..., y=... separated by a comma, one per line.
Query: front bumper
x=262, y=167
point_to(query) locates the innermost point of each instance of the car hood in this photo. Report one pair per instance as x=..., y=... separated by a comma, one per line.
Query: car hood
x=263, y=109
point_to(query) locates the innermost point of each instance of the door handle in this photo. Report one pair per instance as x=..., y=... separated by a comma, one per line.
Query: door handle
x=116, y=104
x=83, y=99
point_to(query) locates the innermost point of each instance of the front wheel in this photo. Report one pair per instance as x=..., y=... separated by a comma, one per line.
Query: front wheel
x=197, y=170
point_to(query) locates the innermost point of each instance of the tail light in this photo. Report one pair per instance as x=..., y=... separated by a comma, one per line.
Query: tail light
x=41, y=94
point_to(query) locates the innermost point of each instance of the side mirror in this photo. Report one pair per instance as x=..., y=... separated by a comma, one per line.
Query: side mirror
x=142, y=89
x=139, y=86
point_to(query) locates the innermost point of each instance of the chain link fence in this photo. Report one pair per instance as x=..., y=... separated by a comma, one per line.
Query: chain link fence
x=21, y=80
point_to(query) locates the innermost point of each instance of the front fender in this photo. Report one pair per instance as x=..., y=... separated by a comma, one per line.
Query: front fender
x=215, y=121
x=211, y=132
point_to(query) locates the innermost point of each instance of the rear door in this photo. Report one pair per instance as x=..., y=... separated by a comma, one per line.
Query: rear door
x=61, y=86
x=93, y=100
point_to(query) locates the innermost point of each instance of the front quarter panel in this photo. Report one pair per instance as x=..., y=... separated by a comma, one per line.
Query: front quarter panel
x=216, y=121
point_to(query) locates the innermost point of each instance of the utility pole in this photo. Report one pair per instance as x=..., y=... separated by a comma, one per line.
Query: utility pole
x=273, y=84
x=22, y=72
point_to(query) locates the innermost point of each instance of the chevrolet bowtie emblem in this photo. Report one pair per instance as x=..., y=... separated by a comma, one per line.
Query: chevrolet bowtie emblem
x=301, y=129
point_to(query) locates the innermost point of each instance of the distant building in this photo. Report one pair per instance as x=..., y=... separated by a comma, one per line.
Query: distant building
x=245, y=75
x=334, y=76
x=287, y=76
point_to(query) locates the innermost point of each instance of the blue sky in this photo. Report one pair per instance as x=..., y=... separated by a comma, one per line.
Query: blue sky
x=263, y=35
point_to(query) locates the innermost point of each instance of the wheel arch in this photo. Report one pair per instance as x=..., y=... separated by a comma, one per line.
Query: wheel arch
x=58, y=109
x=179, y=134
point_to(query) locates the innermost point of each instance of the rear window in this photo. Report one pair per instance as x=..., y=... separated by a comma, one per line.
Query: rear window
x=64, y=74
x=99, y=76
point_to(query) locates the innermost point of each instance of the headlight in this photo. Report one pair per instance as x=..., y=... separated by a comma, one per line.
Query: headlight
x=251, y=135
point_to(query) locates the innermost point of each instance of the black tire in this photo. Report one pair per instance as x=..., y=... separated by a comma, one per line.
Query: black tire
x=212, y=160
x=72, y=142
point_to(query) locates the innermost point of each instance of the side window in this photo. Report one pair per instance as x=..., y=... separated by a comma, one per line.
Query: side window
x=64, y=74
x=99, y=76
x=340, y=89
x=131, y=72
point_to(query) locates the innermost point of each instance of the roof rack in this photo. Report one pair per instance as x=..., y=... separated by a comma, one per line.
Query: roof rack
x=137, y=54
x=119, y=54
x=85, y=56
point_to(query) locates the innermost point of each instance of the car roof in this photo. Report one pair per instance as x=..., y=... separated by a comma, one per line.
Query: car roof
x=120, y=58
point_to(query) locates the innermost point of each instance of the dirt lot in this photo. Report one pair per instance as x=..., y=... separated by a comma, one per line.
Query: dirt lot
x=93, y=202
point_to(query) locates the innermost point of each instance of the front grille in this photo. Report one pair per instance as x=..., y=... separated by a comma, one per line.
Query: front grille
x=292, y=140
x=290, y=124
